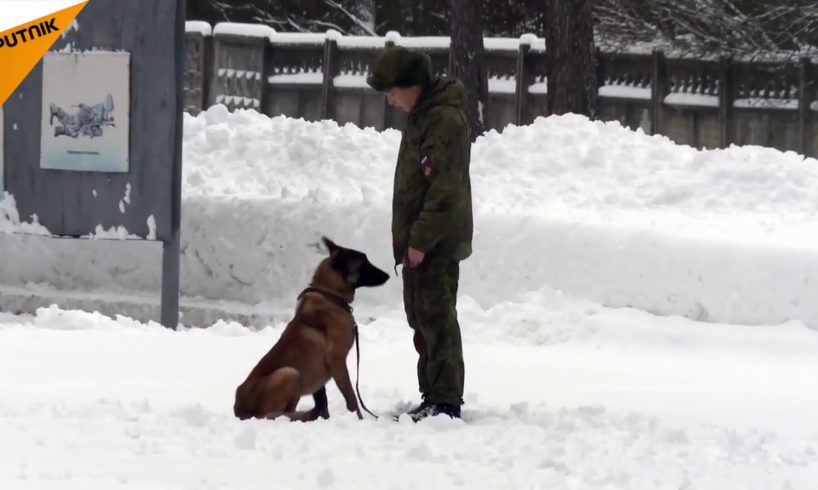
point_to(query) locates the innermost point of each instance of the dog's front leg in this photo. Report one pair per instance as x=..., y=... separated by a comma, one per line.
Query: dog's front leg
x=321, y=406
x=339, y=372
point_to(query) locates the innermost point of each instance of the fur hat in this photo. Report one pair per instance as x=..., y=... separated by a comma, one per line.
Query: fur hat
x=399, y=67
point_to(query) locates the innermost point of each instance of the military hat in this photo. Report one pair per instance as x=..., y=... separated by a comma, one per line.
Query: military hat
x=399, y=67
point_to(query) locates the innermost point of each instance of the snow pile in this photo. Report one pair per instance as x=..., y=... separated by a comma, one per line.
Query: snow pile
x=570, y=165
x=565, y=204
x=10, y=221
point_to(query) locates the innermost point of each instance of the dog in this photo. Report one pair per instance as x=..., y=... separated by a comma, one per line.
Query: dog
x=314, y=345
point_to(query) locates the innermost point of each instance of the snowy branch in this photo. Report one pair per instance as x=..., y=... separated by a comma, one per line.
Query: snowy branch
x=743, y=28
x=351, y=17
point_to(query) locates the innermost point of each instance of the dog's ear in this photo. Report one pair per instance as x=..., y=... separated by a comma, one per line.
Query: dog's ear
x=331, y=246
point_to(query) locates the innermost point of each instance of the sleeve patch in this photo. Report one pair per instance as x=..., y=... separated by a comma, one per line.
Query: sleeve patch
x=426, y=166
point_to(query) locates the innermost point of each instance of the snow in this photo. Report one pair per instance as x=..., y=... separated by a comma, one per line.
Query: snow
x=512, y=44
x=536, y=43
x=10, y=221
x=625, y=92
x=688, y=99
x=654, y=301
x=333, y=35
x=361, y=42
x=126, y=199
x=310, y=77
x=424, y=42
x=538, y=88
x=74, y=26
x=112, y=233
x=231, y=73
x=502, y=85
x=702, y=100
x=151, y=221
x=721, y=235
x=238, y=100
x=352, y=42
x=283, y=38
x=766, y=103
x=350, y=81
x=501, y=44
x=392, y=36
x=198, y=26
x=616, y=399
x=241, y=29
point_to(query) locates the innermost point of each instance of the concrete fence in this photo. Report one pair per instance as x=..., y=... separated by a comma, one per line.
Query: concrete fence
x=702, y=103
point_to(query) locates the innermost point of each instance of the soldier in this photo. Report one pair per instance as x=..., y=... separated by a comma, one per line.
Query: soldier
x=431, y=217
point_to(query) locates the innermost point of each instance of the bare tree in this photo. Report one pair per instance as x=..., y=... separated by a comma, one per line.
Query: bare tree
x=512, y=18
x=468, y=61
x=346, y=16
x=741, y=28
x=570, y=57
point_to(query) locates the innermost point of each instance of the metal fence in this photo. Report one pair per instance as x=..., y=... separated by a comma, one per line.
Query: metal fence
x=702, y=103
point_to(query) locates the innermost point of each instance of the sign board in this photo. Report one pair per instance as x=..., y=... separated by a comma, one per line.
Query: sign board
x=85, y=111
x=74, y=170
x=98, y=140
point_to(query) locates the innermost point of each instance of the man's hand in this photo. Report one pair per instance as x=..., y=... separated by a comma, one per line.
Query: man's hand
x=414, y=257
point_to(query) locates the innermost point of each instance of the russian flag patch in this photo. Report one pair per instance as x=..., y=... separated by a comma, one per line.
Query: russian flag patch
x=426, y=166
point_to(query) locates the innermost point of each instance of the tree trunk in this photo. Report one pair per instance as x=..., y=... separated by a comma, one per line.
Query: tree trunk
x=467, y=61
x=570, y=57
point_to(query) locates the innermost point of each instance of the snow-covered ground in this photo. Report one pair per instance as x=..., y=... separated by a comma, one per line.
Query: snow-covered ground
x=611, y=399
x=637, y=315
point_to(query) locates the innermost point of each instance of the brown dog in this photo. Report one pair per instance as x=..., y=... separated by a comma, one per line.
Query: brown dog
x=314, y=345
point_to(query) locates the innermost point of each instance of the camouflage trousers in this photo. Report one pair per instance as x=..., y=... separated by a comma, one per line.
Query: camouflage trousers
x=430, y=301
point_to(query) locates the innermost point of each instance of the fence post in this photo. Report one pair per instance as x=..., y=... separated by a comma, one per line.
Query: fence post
x=521, y=87
x=727, y=95
x=207, y=71
x=212, y=86
x=450, y=65
x=266, y=71
x=330, y=70
x=804, y=102
x=658, y=90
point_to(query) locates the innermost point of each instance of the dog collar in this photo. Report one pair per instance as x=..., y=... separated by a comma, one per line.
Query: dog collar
x=331, y=296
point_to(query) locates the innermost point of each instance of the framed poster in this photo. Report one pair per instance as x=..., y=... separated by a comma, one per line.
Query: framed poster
x=85, y=115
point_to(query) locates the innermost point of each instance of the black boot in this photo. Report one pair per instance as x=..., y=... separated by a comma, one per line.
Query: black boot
x=425, y=403
x=435, y=409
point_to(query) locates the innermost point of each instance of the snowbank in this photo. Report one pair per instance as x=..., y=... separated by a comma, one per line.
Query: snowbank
x=588, y=208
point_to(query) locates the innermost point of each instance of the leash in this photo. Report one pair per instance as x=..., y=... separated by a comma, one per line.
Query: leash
x=358, y=367
x=343, y=304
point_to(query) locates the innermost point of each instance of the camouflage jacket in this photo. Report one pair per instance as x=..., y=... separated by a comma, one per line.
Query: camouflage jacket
x=431, y=203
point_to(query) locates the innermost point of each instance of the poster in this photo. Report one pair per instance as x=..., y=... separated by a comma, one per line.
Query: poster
x=85, y=114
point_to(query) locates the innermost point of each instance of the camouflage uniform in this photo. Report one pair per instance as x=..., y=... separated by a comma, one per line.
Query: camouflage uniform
x=431, y=212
